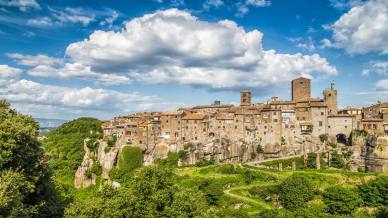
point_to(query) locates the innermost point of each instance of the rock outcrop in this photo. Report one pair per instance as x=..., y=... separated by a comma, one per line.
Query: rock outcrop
x=83, y=178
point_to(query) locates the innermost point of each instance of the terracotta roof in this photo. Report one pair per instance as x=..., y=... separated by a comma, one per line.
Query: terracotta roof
x=225, y=116
x=281, y=102
x=302, y=105
x=172, y=113
x=371, y=120
x=194, y=117
x=318, y=104
x=213, y=106
x=133, y=123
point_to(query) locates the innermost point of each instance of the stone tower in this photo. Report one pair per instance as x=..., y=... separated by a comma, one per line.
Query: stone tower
x=330, y=97
x=245, y=98
x=301, y=89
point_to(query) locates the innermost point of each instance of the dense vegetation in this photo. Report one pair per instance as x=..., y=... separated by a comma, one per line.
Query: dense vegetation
x=28, y=189
x=25, y=186
x=64, y=146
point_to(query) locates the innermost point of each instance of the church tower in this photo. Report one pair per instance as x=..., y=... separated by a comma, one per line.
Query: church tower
x=245, y=98
x=330, y=97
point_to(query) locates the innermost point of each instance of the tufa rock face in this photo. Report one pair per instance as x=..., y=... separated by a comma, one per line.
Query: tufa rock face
x=81, y=180
x=376, y=154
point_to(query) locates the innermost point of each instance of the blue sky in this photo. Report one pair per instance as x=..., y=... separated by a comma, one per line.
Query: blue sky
x=65, y=59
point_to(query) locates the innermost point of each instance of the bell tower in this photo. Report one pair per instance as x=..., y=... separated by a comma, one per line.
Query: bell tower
x=330, y=97
x=245, y=98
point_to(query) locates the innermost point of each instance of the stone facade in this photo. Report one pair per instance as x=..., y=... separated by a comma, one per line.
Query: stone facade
x=227, y=132
x=301, y=89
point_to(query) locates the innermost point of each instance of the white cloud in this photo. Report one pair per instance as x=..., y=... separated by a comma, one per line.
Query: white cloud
x=345, y=4
x=258, y=3
x=193, y=52
x=30, y=60
x=363, y=29
x=212, y=3
x=382, y=85
x=73, y=15
x=35, y=98
x=45, y=66
x=378, y=67
x=40, y=21
x=9, y=72
x=23, y=5
x=76, y=70
x=110, y=20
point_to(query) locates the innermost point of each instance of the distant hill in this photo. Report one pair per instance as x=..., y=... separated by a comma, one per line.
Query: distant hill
x=49, y=124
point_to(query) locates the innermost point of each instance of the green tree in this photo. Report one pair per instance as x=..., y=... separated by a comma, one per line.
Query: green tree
x=375, y=192
x=130, y=158
x=187, y=203
x=20, y=152
x=337, y=160
x=341, y=200
x=295, y=191
x=213, y=191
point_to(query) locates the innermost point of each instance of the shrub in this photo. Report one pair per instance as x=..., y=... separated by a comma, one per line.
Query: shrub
x=382, y=212
x=226, y=169
x=203, y=163
x=259, y=149
x=96, y=169
x=333, y=145
x=323, y=137
x=182, y=154
x=312, y=160
x=170, y=161
x=264, y=192
x=337, y=160
x=340, y=200
x=295, y=191
x=375, y=193
x=213, y=191
x=130, y=158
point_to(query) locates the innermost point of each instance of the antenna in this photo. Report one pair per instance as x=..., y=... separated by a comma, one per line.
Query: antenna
x=332, y=85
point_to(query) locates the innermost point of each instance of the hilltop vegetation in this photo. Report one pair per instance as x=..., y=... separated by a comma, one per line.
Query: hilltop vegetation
x=64, y=146
x=28, y=189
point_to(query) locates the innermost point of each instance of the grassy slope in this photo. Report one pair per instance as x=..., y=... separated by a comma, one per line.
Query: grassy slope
x=237, y=191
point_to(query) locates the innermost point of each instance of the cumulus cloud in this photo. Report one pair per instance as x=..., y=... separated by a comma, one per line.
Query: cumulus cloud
x=23, y=5
x=9, y=72
x=45, y=66
x=363, y=29
x=345, y=4
x=34, y=60
x=76, y=70
x=33, y=97
x=382, y=85
x=73, y=15
x=378, y=67
x=218, y=55
x=212, y=3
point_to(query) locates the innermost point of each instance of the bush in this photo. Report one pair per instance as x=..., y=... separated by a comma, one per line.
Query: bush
x=264, y=192
x=226, y=169
x=382, y=212
x=375, y=193
x=333, y=145
x=96, y=169
x=340, y=200
x=213, y=191
x=203, y=163
x=337, y=160
x=182, y=154
x=323, y=137
x=312, y=160
x=295, y=191
x=259, y=149
x=170, y=161
x=130, y=158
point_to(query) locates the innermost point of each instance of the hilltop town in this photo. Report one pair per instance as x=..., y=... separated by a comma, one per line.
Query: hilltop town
x=233, y=133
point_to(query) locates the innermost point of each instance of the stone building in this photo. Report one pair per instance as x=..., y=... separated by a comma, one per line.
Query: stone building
x=301, y=89
x=231, y=132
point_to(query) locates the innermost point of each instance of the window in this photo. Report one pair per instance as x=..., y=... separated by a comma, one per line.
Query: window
x=320, y=123
x=275, y=120
x=286, y=125
x=166, y=121
x=346, y=127
x=183, y=138
x=322, y=113
x=195, y=138
x=328, y=127
x=235, y=127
